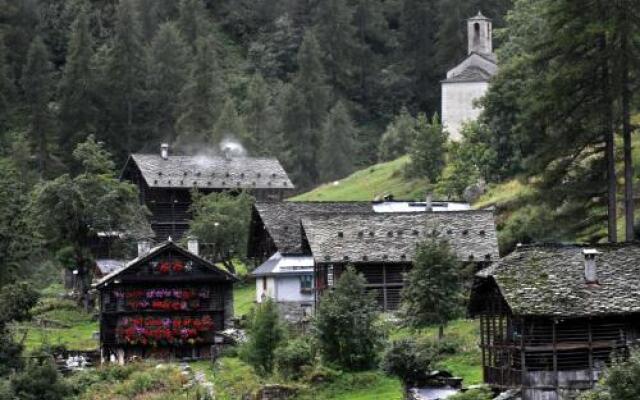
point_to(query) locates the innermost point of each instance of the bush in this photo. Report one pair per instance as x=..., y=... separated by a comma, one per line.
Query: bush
x=291, y=357
x=265, y=335
x=39, y=381
x=345, y=323
x=408, y=359
x=321, y=374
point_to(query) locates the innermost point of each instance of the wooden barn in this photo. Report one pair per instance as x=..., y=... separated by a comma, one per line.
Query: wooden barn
x=165, y=182
x=553, y=316
x=381, y=245
x=168, y=303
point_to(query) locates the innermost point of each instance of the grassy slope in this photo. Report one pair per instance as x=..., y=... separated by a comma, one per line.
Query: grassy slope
x=244, y=296
x=369, y=183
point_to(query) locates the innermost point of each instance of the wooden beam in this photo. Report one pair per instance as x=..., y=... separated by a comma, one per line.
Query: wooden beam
x=590, y=333
x=555, y=353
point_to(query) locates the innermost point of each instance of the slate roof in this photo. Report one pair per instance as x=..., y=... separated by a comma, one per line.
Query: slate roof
x=278, y=264
x=211, y=172
x=154, y=251
x=548, y=280
x=282, y=219
x=476, y=67
x=107, y=266
x=393, y=237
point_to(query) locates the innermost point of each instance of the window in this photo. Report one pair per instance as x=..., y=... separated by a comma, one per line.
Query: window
x=264, y=283
x=306, y=283
x=330, y=275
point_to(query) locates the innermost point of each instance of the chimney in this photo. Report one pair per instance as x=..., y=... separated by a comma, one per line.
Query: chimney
x=227, y=153
x=193, y=245
x=428, y=202
x=164, y=151
x=590, y=265
x=144, y=246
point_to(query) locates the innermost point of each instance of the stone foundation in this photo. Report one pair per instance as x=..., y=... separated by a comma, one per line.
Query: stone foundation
x=295, y=311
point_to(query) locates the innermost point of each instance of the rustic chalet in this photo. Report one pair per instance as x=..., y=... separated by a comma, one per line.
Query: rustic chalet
x=553, y=316
x=168, y=303
x=165, y=182
x=381, y=246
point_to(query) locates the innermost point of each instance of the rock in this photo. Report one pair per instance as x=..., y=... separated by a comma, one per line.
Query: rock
x=474, y=191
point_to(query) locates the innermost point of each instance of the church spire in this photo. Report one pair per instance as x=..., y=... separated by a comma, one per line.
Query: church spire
x=480, y=34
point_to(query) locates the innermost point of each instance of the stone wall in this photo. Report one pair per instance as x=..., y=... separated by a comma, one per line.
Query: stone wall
x=295, y=311
x=275, y=392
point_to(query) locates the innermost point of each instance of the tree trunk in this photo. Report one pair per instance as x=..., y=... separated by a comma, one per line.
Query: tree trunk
x=608, y=135
x=440, y=332
x=626, y=129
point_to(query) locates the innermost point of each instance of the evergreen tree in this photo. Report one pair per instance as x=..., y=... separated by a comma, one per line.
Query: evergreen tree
x=229, y=125
x=398, y=137
x=344, y=324
x=418, y=27
x=336, y=152
x=191, y=20
x=200, y=98
x=260, y=118
x=274, y=52
x=77, y=112
x=167, y=76
x=6, y=86
x=124, y=76
x=433, y=292
x=336, y=36
x=428, y=150
x=37, y=86
x=265, y=334
x=305, y=108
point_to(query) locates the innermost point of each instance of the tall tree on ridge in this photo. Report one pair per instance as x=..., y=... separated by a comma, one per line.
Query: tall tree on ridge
x=259, y=117
x=167, y=76
x=305, y=108
x=336, y=151
x=37, y=85
x=230, y=125
x=125, y=75
x=191, y=20
x=6, y=85
x=77, y=113
x=200, y=98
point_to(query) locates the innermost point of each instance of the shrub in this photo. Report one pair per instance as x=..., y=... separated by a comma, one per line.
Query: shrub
x=345, y=323
x=291, y=357
x=39, y=381
x=265, y=335
x=408, y=359
x=481, y=393
x=321, y=374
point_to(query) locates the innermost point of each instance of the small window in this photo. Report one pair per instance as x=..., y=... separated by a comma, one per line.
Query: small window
x=306, y=283
x=264, y=283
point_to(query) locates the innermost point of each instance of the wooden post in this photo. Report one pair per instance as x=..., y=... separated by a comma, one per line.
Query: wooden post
x=384, y=286
x=590, y=333
x=523, y=366
x=555, y=354
x=482, y=347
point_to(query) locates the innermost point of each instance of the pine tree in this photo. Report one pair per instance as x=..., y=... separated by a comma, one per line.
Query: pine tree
x=124, y=76
x=428, y=149
x=303, y=114
x=76, y=92
x=433, y=292
x=37, y=85
x=149, y=18
x=259, y=118
x=191, y=21
x=266, y=333
x=167, y=76
x=229, y=125
x=336, y=152
x=200, y=98
x=336, y=35
x=7, y=89
x=398, y=136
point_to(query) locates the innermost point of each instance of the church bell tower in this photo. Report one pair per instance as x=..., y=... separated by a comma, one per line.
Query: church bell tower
x=479, y=34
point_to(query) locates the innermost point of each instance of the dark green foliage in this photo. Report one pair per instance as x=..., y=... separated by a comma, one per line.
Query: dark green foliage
x=76, y=91
x=7, y=90
x=433, y=291
x=16, y=300
x=37, y=85
x=428, y=150
x=221, y=220
x=408, y=359
x=292, y=357
x=229, y=125
x=303, y=113
x=123, y=81
x=71, y=210
x=201, y=97
x=260, y=119
x=398, y=137
x=265, y=334
x=620, y=381
x=40, y=381
x=192, y=20
x=167, y=76
x=344, y=324
x=336, y=151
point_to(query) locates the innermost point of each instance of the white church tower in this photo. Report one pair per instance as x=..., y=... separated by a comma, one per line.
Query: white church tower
x=469, y=80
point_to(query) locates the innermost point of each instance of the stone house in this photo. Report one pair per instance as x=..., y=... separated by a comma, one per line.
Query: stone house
x=553, y=316
x=468, y=81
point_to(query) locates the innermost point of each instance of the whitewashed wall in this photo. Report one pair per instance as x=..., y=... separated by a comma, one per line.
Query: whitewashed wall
x=271, y=290
x=457, y=105
x=289, y=289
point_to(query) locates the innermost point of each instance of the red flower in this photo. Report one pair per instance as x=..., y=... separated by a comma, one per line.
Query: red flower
x=178, y=266
x=164, y=267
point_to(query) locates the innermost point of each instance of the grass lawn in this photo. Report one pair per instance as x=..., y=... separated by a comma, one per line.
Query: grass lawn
x=244, y=296
x=369, y=183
